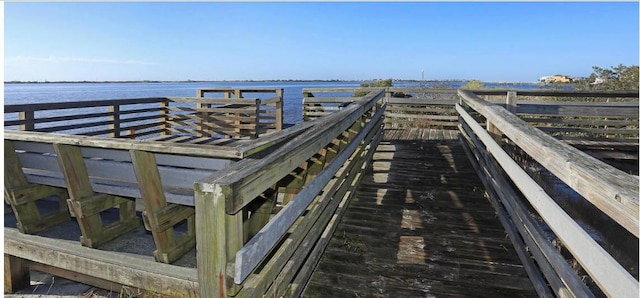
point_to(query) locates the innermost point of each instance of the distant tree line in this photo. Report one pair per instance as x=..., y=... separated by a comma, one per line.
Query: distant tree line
x=378, y=84
x=619, y=77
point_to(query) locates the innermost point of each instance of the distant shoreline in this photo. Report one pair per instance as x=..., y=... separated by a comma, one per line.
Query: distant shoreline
x=214, y=81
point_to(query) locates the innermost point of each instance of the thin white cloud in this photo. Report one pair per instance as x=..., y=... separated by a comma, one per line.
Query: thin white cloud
x=53, y=59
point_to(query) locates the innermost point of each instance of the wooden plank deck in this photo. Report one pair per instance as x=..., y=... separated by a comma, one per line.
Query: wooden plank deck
x=420, y=226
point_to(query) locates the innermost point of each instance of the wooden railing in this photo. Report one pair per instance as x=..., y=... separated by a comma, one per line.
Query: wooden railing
x=143, y=117
x=310, y=180
x=269, y=109
x=114, y=118
x=612, y=191
x=573, y=114
x=425, y=108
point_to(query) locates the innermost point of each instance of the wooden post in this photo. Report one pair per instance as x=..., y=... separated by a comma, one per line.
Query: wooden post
x=27, y=117
x=512, y=105
x=16, y=274
x=164, y=112
x=494, y=131
x=115, y=121
x=237, y=122
x=279, y=111
x=256, y=132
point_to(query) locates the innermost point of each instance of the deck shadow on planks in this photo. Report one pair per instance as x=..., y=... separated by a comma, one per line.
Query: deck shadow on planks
x=419, y=225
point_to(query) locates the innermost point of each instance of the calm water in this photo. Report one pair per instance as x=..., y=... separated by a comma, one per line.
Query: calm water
x=63, y=92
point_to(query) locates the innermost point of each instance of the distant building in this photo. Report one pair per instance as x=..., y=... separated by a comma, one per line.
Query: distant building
x=555, y=79
x=598, y=81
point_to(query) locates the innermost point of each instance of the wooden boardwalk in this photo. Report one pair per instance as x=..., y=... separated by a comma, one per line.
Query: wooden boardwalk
x=420, y=226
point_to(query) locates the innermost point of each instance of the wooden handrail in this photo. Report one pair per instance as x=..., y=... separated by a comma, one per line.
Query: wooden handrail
x=243, y=181
x=604, y=269
x=221, y=201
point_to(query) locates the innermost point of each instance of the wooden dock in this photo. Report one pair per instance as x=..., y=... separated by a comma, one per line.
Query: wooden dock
x=420, y=225
x=440, y=194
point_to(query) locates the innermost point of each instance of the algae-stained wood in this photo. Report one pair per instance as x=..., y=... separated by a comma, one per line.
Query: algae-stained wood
x=418, y=225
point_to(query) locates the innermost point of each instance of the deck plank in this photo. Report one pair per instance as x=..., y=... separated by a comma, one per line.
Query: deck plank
x=420, y=225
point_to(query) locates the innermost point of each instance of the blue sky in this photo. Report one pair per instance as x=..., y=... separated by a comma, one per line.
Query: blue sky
x=253, y=41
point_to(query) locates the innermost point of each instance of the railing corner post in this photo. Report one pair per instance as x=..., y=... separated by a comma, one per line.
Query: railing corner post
x=279, y=109
x=512, y=104
x=211, y=235
x=114, y=110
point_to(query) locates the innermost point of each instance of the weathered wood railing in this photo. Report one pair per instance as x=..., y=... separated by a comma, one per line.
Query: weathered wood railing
x=426, y=108
x=106, y=172
x=166, y=116
x=281, y=195
x=612, y=191
x=269, y=109
x=99, y=117
x=262, y=211
x=240, y=250
x=592, y=114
